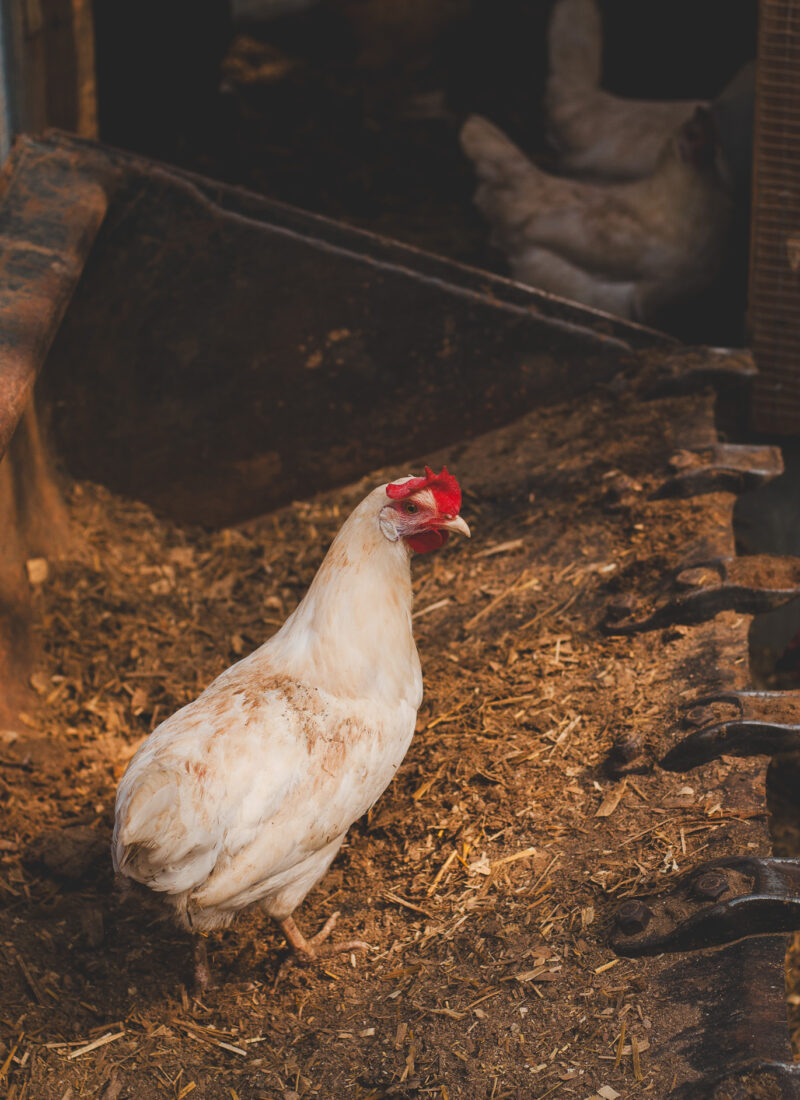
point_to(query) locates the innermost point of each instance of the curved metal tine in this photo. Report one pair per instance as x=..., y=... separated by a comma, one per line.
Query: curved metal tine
x=693, y=708
x=778, y=876
x=732, y=695
x=734, y=738
x=686, y=603
x=765, y=871
x=740, y=584
x=724, y=695
x=745, y=864
x=693, y=606
x=742, y=698
x=636, y=626
x=739, y=918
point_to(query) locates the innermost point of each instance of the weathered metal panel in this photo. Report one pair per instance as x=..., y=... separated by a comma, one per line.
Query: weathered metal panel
x=775, y=262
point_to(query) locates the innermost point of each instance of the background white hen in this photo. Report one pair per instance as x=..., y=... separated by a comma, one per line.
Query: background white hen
x=635, y=249
x=246, y=794
x=595, y=131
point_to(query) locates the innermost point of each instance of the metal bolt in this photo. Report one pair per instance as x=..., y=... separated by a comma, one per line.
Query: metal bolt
x=627, y=747
x=621, y=605
x=633, y=917
x=710, y=885
x=684, y=460
x=622, y=485
x=699, y=716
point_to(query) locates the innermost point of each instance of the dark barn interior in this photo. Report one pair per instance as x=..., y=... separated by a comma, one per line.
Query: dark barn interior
x=243, y=281
x=359, y=121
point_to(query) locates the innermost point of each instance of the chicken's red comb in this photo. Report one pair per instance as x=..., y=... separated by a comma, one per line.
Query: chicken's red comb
x=443, y=486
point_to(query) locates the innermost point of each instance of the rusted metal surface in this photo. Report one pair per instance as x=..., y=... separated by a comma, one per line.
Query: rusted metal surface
x=739, y=1044
x=701, y=590
x=736, y=991
x=262, y=353
x=745, y=901
x=775, y=259
x=738, y=1039
x=738, y=994
x=722, y=467
x=766, y=723
x=772, y=1080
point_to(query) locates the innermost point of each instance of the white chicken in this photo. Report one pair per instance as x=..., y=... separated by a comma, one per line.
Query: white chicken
x=594, y=131
x=245, y=795
x=634, y=249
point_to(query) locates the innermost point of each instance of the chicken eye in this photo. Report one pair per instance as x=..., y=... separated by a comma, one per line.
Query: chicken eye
x=411, y=508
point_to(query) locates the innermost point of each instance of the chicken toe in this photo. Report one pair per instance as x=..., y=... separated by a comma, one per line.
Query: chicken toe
x=315, y=947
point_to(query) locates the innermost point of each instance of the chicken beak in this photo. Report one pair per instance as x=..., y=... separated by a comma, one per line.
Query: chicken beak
x=457, y=523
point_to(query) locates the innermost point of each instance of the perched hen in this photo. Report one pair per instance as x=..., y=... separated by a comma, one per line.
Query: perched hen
x=636, y=249
x=245, y=795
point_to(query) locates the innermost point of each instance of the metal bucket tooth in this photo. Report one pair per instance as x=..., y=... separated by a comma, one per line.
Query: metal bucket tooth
x=770, y=905
x=686, y=370
x=778, y=1080
x=721, y=468
x=768, y=722
x=750, y=585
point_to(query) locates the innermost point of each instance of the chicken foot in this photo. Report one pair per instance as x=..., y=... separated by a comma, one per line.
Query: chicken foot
x=310, y=948
x=202, y=971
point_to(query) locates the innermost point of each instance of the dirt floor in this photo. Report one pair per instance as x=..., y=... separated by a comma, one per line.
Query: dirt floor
x=483, y=878
x=783, y=785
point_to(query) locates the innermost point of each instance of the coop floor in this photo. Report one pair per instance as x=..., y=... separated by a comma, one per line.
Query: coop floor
x=485, y=876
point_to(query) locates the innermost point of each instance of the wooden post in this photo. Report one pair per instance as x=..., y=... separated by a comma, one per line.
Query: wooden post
x=33, y=525
x=50, y=220
x=48, y=67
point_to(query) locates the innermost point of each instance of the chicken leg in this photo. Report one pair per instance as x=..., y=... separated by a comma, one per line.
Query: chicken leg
x=202, y=973
x=311, y=948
